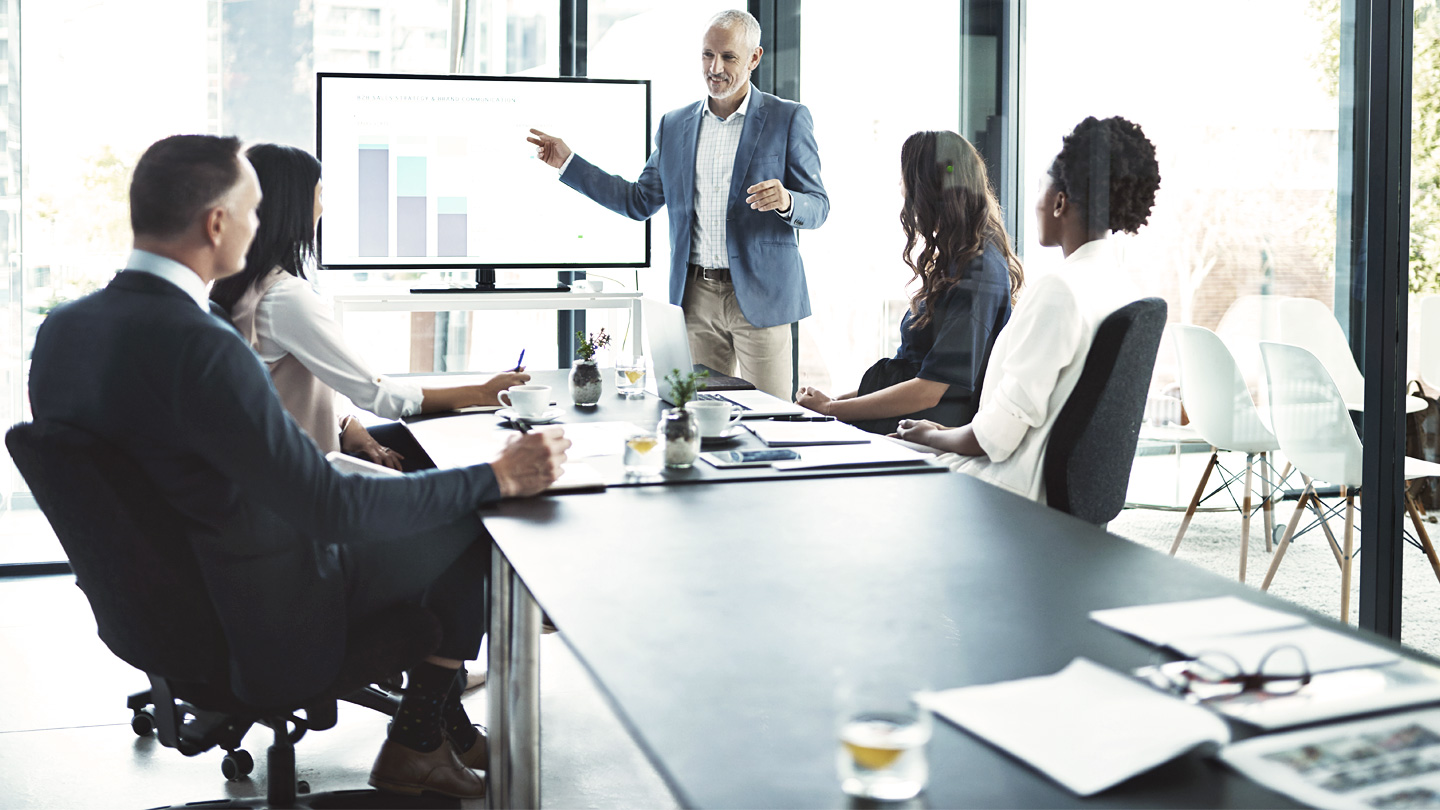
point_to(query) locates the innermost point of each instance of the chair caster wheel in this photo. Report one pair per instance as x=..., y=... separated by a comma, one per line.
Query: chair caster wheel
x=302, y=786
x=143, y=723
x=237, y=765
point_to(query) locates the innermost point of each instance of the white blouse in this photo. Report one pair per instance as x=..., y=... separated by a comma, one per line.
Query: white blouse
x=293, y=319
x=1036, y=361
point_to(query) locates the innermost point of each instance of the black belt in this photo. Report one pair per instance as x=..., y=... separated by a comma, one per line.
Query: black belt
x=710, y=273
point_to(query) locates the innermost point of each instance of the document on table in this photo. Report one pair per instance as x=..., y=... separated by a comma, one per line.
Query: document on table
x=1390, y=762
x=802, y=434
x=1168, y=622
x=875, y=453
x=1087, y=727
x=1324, y=650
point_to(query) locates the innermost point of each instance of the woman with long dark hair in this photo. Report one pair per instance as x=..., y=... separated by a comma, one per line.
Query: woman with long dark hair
x=280, y=313
x=965, y=276
x=1103, y=181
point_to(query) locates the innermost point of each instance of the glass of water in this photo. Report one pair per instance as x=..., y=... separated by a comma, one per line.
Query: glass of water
x=630, y=376
x=882, y=735
x=644, y=455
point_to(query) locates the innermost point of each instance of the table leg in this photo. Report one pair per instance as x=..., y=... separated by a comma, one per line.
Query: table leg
x=523, y=714
x=497, y=685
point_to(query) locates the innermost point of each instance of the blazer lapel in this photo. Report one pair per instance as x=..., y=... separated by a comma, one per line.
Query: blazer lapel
x=749, y=139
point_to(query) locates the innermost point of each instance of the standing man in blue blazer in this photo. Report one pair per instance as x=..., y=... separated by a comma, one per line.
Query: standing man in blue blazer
x=740, y=172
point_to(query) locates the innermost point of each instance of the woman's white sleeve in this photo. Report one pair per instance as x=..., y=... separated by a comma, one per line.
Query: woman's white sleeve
x=295, y=317
x=1046, y=334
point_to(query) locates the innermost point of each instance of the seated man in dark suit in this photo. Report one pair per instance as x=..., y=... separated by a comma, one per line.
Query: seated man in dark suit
x=292, y=551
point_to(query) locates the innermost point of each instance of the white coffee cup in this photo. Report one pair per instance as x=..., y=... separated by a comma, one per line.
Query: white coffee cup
x=714, y=417
x=527, y=400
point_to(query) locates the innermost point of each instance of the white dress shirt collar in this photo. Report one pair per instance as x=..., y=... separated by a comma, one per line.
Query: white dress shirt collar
x=740, y=111
x=173, y=272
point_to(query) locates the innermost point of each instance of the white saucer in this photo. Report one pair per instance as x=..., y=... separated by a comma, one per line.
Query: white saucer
x=730, y=434
x=544, y=418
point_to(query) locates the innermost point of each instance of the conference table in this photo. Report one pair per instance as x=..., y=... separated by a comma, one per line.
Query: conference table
x=716, y=617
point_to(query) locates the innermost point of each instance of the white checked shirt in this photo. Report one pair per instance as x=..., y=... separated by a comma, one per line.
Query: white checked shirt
x=714, y=167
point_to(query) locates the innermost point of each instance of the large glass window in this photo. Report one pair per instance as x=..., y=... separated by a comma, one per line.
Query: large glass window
x=659, y=41
x=197, y=66
x=862, y=115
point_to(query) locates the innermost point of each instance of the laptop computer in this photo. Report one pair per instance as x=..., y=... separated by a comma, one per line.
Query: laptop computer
x=669, y=348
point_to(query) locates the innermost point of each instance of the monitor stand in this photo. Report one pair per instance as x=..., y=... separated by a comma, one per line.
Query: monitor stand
x=485, y=283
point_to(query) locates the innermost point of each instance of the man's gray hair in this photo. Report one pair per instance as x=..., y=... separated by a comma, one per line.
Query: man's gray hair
x=744, y=20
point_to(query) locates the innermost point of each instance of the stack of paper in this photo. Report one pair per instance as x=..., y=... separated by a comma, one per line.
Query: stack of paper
x=802, y=434
x=1349, y=674
x=1087, y=727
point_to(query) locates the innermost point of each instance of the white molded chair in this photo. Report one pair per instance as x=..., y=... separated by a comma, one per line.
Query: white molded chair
x=1427, y=360
x=1309, y=324
x=1221, y=411
x=1313, y=425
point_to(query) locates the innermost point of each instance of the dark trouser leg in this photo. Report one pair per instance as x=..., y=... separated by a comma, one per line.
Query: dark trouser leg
x=446, y=569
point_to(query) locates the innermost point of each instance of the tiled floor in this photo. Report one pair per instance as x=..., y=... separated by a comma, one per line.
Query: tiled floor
x=65, y=738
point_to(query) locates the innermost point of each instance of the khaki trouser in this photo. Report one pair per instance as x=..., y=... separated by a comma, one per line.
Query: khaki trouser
x=722, y=339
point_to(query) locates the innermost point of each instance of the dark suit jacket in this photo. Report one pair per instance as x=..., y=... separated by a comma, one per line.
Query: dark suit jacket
x=777, y=142
x=179, y=391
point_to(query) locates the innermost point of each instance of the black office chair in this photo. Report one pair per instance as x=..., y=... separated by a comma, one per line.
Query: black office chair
x=132, y=560
x=1092, y=444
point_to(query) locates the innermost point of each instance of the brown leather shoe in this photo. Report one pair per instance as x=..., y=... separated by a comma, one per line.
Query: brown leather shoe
x=399, y=769
x=478, y=757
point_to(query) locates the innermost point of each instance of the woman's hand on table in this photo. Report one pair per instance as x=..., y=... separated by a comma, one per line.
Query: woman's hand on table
x=491, y=388
x=814, y=399
x=920, y=431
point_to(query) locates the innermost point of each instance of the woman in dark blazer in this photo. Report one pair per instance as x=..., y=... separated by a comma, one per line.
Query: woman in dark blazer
x=966, y=278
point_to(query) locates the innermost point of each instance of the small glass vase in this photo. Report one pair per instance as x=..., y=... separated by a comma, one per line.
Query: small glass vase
x=585, y=383
x=682, y=438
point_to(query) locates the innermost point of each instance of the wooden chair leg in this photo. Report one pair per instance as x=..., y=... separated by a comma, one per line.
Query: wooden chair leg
x=1245, y=516
x=1195, y=501
x=1413, y=509
x=1285, y=540
x=1349, y=553
x=1267, y=503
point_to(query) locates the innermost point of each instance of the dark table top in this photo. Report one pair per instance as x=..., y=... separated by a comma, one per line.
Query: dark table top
x=715, y=619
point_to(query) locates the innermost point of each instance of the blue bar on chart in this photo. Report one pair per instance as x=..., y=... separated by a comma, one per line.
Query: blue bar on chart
x=450, y=226
x=410, y=206
x=374, y=196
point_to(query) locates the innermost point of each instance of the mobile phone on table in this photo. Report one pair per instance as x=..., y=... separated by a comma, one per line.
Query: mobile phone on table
x=749, y=458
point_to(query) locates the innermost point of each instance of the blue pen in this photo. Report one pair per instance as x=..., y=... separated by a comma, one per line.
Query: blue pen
x=519, y=364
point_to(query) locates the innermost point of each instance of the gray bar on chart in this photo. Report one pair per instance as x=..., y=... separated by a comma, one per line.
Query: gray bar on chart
x=374, y=202
x=450, y=235
x=409, y=226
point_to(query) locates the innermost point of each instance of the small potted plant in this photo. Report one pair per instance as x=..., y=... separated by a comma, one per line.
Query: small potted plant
x=585, y=382
x=678, y=426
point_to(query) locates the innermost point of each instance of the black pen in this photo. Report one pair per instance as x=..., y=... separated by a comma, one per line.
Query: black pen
x=805, y=419
x=520, y=424
x=520, y=364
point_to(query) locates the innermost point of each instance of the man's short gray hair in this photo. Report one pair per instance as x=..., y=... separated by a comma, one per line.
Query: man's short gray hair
x=744, y=20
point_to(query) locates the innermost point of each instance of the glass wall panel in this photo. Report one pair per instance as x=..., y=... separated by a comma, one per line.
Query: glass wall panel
x=1245, y=120
x=858, y=281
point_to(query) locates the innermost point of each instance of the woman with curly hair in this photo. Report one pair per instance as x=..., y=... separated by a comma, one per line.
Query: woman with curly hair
x=1103, y=181
x=966, y=277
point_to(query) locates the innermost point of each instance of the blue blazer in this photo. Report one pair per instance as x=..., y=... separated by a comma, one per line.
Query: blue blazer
x=777, y=142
